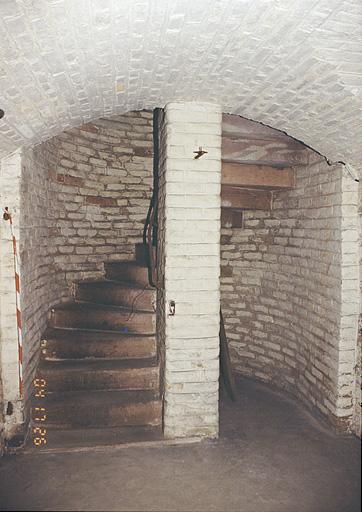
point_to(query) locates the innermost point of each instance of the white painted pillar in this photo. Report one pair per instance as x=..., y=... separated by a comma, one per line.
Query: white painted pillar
x=11, y=402
x=349, y=387
x=190, y=235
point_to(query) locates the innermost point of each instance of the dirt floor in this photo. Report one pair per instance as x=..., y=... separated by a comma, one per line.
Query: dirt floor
x=272, y=456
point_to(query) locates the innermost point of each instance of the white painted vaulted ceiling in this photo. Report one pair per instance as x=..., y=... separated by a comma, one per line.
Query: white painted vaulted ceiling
x=293, y=64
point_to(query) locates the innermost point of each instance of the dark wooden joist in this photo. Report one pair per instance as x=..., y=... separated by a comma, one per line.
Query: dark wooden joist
x=277, y=152
x=245, y=199
x=257, y=176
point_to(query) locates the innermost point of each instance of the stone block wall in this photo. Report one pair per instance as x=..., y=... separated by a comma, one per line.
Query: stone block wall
x=84, y=200
x=282, y=296
x=189, y=242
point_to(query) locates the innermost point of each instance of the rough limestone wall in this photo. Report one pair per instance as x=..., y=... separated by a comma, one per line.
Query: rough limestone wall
x=85, y=196
x=281, y=291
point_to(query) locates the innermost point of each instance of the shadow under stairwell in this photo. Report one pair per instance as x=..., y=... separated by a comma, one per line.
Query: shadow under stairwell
x=272, y=456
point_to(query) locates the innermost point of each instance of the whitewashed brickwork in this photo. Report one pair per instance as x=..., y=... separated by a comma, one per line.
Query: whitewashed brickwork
x=348, y=363
x=292, y=64
x=161, y=246
x=82, y=200
x=42, y=283
x=190, y=235
x=289, y=321
x=104, y=180
x=358, y=397
x=11, y=416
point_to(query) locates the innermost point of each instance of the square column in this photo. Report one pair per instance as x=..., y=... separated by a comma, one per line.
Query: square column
x=189, y=246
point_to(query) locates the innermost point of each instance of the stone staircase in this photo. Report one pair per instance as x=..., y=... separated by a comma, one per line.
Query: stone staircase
x=98, y=379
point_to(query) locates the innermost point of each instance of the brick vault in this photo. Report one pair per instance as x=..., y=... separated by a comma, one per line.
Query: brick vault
x=79, y=81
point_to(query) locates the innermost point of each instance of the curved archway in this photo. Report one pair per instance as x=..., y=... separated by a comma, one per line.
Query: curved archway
x=290, y=65
x=87, y=192
x=287, y=65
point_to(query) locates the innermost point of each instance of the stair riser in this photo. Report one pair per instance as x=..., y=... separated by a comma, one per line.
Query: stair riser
x=132, y=348
x=140, y=299
x=86, y=438
x=142, y=255
x=125, y=379
x=108, y=320
x=72, y=416
x=128, y=274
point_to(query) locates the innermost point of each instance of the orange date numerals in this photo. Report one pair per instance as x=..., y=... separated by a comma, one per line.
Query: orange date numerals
x=40, y=411
x=39, y=436
x=40, y=383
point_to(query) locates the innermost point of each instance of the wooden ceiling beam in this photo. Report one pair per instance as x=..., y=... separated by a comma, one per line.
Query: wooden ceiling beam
x=276, y=152
x=257, y=176
x=245, y=199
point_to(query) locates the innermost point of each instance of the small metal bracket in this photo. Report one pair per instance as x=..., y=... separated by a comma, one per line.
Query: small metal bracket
x=172, y=308
x=200, y=153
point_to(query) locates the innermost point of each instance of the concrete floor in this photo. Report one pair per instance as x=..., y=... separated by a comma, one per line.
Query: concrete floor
x=272, y=457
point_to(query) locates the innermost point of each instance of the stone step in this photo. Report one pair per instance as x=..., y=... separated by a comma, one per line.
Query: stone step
x=92, y=409
x=127, y=271
x=86, y=343
x=116, y=293
x=92, y=438
x=74, y=375
x=97, y=316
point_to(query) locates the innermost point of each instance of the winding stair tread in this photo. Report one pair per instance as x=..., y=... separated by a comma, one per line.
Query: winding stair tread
x=66, y=365
x=132, y=263
x=92, y=437
x=129, y=285
x=102, y=398
x=100, y=335
x=85, y=306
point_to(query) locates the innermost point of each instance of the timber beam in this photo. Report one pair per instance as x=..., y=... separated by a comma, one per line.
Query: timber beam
x=244, y=199
x=257, y=176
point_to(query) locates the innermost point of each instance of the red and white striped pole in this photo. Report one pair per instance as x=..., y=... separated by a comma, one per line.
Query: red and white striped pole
x=7, y=216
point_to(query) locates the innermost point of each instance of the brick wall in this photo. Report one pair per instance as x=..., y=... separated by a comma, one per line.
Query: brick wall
x=190, y=247
x=42, y=283
x=85, y=196
x=290, y=64
x=350, y=305
x=282, y=296
x=11, y=414
x=161, y=247
x=103, y=180
x=358, y=398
